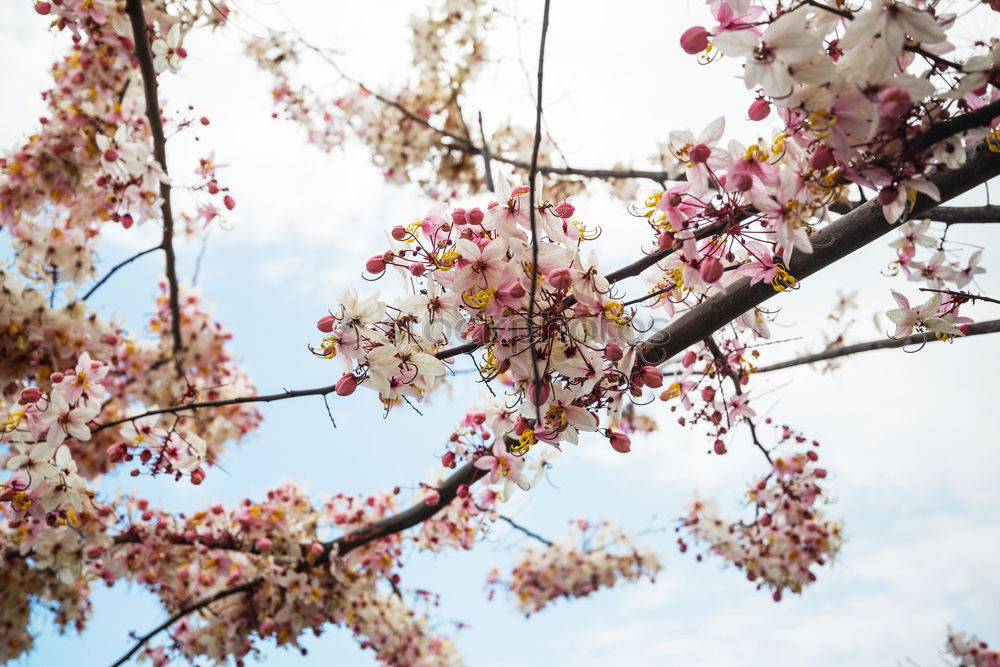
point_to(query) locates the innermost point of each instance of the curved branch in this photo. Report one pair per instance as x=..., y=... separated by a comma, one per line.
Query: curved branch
x=123, y=263
x=181, y=613
x=145, y=57
x=421, y=511
x=977, y=329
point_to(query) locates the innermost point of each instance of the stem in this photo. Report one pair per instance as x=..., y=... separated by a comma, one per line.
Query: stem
x=145, y=57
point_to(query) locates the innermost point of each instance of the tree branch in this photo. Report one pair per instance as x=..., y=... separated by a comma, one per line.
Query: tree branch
x=181, y=613
x=421, y=511
x=530, y=533
x=117, y=266
x=145, y=58
x=950, y=215
x=723, y=364
x=851, y=232
x=977, y=329
x=464, y=145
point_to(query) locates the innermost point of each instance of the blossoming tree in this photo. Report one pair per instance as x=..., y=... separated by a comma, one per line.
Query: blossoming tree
x=881, y=114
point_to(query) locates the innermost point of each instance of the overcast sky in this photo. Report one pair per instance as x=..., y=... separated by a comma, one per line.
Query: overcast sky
x=911, y=439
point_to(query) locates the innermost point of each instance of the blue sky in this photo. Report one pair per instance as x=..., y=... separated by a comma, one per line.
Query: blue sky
x=909, y=438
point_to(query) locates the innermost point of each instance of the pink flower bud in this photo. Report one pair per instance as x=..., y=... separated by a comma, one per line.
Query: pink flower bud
x=94, y=551
x=316, y=550
x=665, y=241
x=432, y=498
x=56, y=377
x=613, y=352
x=116, y=453
x=213, y=187
x=127, y=221
x=375, y=265
x=520, y=425
x=539, y=392
x=759, y=109
x=417, y=270
x=822, y=158
x=448, y=460
x=110, y=155
x=463, y=490
x=459, y=217
x=478, y=333
x=707, y=394
x=399, y=232
x=564, y=209
x=197, y=475
x=820, y=472
x=651, y=376
x=30, y=395
x=229, y=202
x=264, y=544
x=561, y=278
x=699, y=153
x=688, y=359
x=620, y=443
x=711, y=270
x=346, y=385
x=204, y=120
x=326, y=323
x=765, y=520
x=719, y=447
x=512, y=292
x=694, y=40
x=888, y=195
x=475, y=216
x=812, y=456
x=894, y=103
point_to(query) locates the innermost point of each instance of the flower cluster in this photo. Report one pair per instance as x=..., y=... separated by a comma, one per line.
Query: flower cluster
x=789, y=534
x=590, y=557
x=566, y=355
x=91, y=161
x=971, y=651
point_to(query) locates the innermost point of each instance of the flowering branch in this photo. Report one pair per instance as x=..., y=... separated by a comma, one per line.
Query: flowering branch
x=851, y=232
x=145, y=57
x=184, y=611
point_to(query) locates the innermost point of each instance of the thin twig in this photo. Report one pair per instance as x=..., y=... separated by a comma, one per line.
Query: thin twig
x=181, y=613
x=532, y=176
x=964, y=295
x=976, y=329
x=530, y=533
x=487, y=167
x=117, y=266
x=145, y=57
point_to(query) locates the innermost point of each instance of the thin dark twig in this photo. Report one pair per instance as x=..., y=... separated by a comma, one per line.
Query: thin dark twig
x=462, y=144
x=123, y=263
x=976, y=329
x=329, y=412
x=530, y=533
x=723, y=364
x=181, y=613
x=964, y=295
x=535, y=389
x=145, y=57
x=487, y=167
